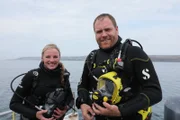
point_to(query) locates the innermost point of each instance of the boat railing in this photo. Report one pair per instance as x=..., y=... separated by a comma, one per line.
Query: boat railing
x=8, y=112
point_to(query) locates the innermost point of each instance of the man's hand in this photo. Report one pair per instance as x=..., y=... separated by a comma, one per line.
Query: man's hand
x=87, y=112
x=107, y=110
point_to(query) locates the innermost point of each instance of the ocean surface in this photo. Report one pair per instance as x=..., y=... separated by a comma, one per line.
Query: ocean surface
x=168, y=73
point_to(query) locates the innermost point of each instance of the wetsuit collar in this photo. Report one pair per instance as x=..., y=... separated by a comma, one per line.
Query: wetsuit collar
x=113, y=47
x=55, y=71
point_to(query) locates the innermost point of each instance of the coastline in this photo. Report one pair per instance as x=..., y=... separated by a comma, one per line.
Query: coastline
x=154, y=58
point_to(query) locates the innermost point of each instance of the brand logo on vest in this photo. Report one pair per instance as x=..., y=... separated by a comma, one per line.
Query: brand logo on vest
x=35, y=73
x=146, y=74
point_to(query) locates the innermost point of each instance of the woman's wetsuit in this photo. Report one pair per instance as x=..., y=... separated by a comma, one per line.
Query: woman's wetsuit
x=35, y=88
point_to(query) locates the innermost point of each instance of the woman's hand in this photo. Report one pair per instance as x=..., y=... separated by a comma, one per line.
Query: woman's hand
x=59, y=113
x=40, y=116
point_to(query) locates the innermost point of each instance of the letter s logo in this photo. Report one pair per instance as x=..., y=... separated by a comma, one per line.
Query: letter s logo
x=146, y=74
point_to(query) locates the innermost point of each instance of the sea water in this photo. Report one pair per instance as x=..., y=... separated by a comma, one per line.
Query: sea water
x=168, y=73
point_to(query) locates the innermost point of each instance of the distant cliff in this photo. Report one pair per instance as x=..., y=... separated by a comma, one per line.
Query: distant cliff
x=154, y=58
x=165, y=58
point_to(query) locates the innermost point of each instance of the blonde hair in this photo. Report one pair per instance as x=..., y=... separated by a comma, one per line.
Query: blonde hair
x=53, y=46
x=50, y=46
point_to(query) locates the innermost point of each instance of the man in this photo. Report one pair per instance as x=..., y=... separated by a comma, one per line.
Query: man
x=138, y=74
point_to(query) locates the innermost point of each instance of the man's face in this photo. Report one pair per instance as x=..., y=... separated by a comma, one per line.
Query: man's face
x=106, y=33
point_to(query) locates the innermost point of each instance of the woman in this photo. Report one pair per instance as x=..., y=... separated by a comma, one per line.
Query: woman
x=47, y=88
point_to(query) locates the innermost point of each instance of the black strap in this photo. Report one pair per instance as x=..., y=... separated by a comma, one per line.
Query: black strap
x=35, y=82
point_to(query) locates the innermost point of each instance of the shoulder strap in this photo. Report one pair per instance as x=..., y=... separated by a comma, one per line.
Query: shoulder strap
x=91, y=58
x=123, y=50
x=121, y=56
x=66, y=79
x=66, y=73
x=35, y=79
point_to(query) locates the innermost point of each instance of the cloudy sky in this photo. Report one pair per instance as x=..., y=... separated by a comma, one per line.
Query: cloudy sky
x=26, y=26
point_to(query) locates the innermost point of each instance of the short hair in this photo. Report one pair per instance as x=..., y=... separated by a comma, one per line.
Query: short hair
x=48, y=46
x=102, y=16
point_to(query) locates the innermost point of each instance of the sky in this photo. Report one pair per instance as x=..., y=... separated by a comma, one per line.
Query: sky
x=26, y=26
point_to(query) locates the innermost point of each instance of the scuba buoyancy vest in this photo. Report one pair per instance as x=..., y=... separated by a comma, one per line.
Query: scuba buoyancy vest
x=32, y=97
x=110, y=87
x=118, y=54
x=37, y=82
x=124, y=71
x=52, y=98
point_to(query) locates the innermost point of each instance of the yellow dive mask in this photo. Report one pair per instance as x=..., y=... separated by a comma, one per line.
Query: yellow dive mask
x=108, y=88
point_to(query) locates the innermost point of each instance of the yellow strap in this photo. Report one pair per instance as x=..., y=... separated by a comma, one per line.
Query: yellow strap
x=94, y=65
x=145, y=113
x=13, y=115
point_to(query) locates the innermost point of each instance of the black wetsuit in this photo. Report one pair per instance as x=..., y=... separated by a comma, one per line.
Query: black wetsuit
x=47, y=81
x=138, y=74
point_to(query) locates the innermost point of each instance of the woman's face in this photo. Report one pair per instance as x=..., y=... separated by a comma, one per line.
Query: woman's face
x=51, y=58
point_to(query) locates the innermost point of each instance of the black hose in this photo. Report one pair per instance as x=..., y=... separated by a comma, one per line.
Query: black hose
x=38, y=108
x=137, y=43
x=11, y=85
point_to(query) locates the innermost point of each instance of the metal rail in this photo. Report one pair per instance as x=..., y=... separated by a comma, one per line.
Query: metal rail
x=8, y=112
